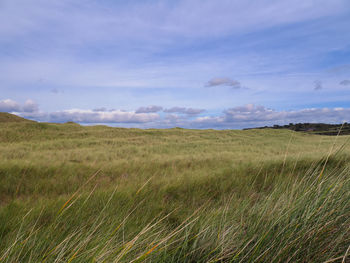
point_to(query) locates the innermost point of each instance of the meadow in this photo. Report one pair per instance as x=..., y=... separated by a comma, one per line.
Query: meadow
x=71, y=193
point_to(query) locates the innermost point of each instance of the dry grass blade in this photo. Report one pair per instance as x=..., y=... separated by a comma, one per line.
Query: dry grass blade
x=76, y=192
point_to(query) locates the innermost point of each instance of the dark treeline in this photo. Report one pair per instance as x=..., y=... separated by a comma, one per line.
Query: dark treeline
x=316, y=128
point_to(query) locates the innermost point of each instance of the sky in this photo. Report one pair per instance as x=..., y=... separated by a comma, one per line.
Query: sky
x=220, y=64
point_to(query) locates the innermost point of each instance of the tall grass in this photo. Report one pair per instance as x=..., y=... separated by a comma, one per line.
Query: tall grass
x=298, y=220
x=287, y=201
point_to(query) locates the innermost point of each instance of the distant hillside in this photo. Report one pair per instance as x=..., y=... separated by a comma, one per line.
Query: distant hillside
x=315, y=128
x=7, y=117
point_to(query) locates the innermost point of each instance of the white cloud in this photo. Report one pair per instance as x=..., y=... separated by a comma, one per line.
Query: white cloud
x=31, y=110
x=253, y=116
x=246, y=116
x=30, y=106
x=9, y=105
x=89, y=116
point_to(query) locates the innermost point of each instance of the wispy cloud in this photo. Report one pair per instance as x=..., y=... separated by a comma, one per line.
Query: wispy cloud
x=339, y=69
x=318, y=85
x=56, y=91
x=133, y=53
x=148, y=109
x=345, y=82
x=79, y=19
x=99, y=109
x=183, y=110
x=223, y=82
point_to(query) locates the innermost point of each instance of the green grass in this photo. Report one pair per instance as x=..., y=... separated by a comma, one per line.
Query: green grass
x=7, y=117
x=70, y=193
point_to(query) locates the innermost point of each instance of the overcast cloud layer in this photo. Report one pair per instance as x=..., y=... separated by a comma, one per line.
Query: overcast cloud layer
x=189, y=63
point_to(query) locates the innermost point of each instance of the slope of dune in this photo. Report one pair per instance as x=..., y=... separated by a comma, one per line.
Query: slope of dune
x=8, y=117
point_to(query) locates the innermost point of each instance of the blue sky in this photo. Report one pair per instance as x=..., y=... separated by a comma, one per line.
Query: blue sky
x=191, y=63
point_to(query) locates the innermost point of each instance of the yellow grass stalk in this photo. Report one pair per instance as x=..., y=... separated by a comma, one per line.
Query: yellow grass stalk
x=76, y=192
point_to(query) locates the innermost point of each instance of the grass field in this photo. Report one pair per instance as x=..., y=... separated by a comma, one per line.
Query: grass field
x=70, y=193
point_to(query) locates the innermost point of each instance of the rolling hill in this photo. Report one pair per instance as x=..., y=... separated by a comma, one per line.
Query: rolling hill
x=71, y=193
x=8, y=117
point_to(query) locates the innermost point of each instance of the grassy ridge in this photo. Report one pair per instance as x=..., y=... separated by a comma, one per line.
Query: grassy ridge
x=78, y=194
x=7, y=117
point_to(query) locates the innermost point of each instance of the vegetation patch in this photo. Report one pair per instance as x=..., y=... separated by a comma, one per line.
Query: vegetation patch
x=71, y=193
